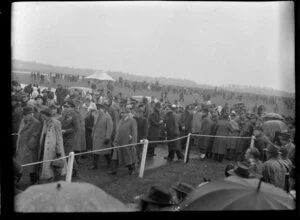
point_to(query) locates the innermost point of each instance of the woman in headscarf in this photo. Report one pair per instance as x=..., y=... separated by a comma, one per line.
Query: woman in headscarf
x=126, y=134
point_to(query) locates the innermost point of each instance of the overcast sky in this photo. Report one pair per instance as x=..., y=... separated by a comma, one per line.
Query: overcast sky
x=210, y=42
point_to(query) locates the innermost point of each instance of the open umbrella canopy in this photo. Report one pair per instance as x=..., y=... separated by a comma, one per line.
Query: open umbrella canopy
x=99, y=75
x=272, y=126
x=272, y=116
x=235, y=193
x=67, y=197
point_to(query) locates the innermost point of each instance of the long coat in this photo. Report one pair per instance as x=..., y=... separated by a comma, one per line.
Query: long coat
x=196, y=122
x=154, y=119
x=50, y=147
x=71, y=124
x=220, y=144
x=247, y=131
x=234, y=132
x=114, y=117
x=28, y=142
x=125, y=129
x=102, y=130
x=172, y=127
x=273, y=172
x=80, y=145
x=89, y=125
x=203, y=142
x=186, y=121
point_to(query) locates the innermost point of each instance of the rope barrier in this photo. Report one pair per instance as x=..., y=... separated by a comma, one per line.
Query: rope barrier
x=163, y=141
x=14, y=134
x=127, y=145
x=80, y=154
x=29, y=164
x=199, y=135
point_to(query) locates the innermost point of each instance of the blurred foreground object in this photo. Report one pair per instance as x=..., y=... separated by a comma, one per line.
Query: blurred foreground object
x=67, y=197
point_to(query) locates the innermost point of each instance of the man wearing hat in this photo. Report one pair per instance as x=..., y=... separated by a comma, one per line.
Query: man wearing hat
x=172, y=128
x=101, y=135
x=206, y=126
x=287, y=146
x=185, y=124
x=182, y=190
x=39, y=100
x=247, y=131
x=157, y=198
x=142, y=127
x=89, y=125
x=234, y=132
x=70, y=125
x=154, y=123
x=50, y=148
x=261, y=141
x=28, y=141
x=273, y=169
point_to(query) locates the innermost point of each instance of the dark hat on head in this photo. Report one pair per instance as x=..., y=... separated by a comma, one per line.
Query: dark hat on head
x=15, y=83
x=241, y=170
x=71, y=103
x=157, y=105
x=184, y=188
x=273, y=149
x=285, y=135
x=158, y=195
x=27, y=110
x=39, y=97
x=99, y=106
x=46, y=111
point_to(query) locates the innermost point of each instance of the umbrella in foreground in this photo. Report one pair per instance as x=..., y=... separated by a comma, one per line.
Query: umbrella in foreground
x=67, y=197
x=270, y=128
x=272, y=116
x=235, y=193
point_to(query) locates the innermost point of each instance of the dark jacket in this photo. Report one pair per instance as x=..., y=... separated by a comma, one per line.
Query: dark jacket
x=171, y=125
x=206, y=128
x=153, y=125
x=186, y=121
x=142, y=128
x=261, y=142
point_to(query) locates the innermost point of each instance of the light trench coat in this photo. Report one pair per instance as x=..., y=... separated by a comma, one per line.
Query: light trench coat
x=102, y=130
x=52, y=149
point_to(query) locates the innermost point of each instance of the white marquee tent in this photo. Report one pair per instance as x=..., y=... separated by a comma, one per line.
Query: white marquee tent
x=102, y=76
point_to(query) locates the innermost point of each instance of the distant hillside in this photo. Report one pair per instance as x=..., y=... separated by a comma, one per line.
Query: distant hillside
x=46, y=68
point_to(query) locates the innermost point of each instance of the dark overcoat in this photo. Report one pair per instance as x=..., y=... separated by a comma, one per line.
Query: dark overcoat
x=28, y=142
x=220, y=144
x=203, y=142
x=154, y=119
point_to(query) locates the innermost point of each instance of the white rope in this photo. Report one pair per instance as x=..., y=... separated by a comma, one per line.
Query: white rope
x=14, y=134
x=164, y=141
x=160, y=141
x=199, y=135
x=29, y=164
x=128, y=145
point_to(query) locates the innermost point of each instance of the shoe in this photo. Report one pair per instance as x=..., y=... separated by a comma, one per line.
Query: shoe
x=93, y=167
x=180, y=160
x=132, y=172
x=112, y=172
x=168, y=158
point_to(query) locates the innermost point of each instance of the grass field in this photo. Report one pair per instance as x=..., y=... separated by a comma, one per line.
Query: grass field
x=25, y=78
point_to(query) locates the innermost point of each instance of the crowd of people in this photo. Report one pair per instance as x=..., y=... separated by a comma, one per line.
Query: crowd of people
x=48, y=125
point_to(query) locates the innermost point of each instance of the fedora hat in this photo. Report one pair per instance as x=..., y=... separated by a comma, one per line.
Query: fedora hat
x=158, y=195
x=46, y=111
x=273, y=149
x=184, y=188
x=27, y=110
x=241, y=170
